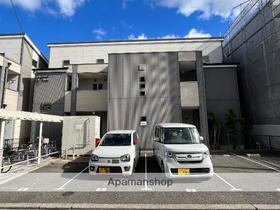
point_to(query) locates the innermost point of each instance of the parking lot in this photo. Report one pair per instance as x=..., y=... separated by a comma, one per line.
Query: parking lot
x=233, y=173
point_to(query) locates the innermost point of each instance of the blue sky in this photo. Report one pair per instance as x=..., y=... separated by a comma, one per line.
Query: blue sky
x=93, y=20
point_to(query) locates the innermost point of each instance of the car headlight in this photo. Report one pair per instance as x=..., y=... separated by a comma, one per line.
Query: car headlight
x=206, y=154
x=169, y=154
x=94, y=158
x=125, y=158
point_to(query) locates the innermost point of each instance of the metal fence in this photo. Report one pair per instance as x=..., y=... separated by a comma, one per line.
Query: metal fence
x=246, y=14
x=25, y=153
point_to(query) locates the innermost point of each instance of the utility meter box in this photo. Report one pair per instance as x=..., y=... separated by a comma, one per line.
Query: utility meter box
x=79, y=134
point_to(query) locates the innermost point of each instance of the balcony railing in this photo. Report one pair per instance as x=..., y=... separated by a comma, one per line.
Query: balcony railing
x=189, y=94
x=88, y=101
x=247, y=14
x=11, y=99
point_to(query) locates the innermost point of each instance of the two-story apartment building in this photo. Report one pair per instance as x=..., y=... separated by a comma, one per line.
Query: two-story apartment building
x=137, y=83
x=18, y=58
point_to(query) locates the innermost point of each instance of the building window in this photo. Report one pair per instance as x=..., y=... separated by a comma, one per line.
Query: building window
x=45, y=107
x=97, y=86
x=142, y=86
x=66, y=63
x=142, y=79
x=143, y=121
x=34, y=63
x=142, y=67
x=100, y=61
x=142, y=93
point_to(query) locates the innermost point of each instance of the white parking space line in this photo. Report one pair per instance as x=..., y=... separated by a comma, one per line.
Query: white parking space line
x=191, y=190
x=273, y=164
x=225, y=181
x=74, y=177
x=257, y=162
x=278, y=190
x=23, y=189
x=101, y=189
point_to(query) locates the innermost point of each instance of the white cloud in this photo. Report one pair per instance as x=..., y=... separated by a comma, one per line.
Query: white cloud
x=194, y=33
x=67, y=8
x=206, y=8
x=99, y=32
x=141, y=36
x=125, y=2
x=169, y=36
x=30, y=5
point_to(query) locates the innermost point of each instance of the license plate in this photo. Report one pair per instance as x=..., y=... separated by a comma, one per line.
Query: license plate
x=104, y=170
x=183, y=171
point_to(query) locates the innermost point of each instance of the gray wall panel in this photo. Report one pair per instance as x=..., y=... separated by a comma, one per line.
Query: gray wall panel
x=222, y=94
x=162, y=100
x=50, y=92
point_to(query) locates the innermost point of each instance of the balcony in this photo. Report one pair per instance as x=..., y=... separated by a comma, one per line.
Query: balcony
x=11, y=99
x=88, y=101
x=189, y=95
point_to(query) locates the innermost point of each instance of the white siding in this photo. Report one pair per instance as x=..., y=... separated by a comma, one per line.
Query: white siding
x=11, y=47
x=88, y=53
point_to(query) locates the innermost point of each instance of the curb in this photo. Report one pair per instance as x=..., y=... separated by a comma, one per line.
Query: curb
x=137, y=206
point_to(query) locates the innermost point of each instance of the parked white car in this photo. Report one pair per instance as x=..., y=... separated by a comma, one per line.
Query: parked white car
x=180, y=152
x=118, y=152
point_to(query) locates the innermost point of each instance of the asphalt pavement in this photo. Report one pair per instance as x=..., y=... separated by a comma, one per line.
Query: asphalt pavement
x=238, y=179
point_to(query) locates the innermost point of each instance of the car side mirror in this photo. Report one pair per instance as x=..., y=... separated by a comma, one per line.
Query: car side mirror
x=201, y=138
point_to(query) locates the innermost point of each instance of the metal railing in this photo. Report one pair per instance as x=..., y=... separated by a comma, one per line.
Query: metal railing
x=245, y=16
x=6, y=168
x=24, y=153
x=267, y=143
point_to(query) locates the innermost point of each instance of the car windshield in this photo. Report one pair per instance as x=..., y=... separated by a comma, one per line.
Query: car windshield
x=116, y=140
x=181, y=136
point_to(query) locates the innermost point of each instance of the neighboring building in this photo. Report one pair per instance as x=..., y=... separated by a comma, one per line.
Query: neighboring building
x=253, y=41
x=138, y=83
x=18, y=58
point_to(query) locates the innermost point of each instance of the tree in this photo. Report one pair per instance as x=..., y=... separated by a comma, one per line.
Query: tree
x=247, y=132
x=215, y=125
x=231, y=122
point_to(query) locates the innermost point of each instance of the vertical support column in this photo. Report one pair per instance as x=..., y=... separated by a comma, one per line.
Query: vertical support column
x=74, y=88
x=202, y=97
x=2, y=135
x=40, y=142
x=3, y=81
